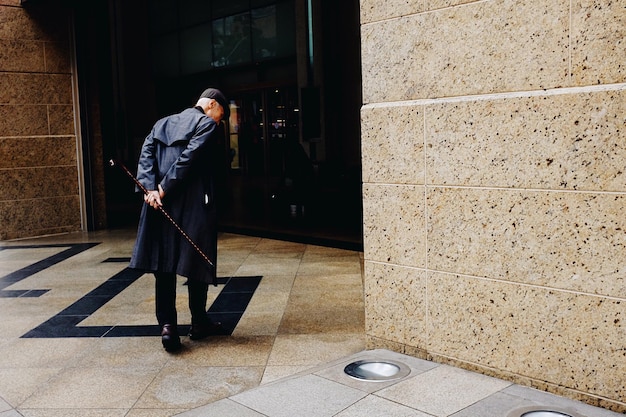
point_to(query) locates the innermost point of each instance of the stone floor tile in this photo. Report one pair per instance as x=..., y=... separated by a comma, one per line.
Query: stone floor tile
x=268, y=301
x=4, y=406
x=44, y=353
x=224, y=351
x=184, y=386
x=327, y=282
x=10, y=413
x=307, y=396
x=271, y=246
x=534, y=397
x=330, y=266
x=274, y=373
x=276, y=284
x=88, y=388
x=314, y=349
x=20, y=322
x=258, y=324
x=221, y=408
x=151, y=412
x=330, y=313
x=18, y=384
x=443, y=390
x=496, y=405
x=372, y=406
x=123, y=352
x=74, y=412
x=264, y=265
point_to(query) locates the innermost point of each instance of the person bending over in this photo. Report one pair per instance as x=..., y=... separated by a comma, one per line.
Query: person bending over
x=174, y=166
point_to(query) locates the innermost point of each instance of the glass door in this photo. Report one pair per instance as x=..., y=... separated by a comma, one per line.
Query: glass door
x=263, y=126
x=265, y=158
x=247, y=135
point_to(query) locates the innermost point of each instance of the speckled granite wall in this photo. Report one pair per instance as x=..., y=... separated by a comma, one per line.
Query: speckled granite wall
x=494, y=169
x=39, y=191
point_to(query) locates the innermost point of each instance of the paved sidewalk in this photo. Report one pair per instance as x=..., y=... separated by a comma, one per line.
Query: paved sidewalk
x=79, y=340
x=429, y=390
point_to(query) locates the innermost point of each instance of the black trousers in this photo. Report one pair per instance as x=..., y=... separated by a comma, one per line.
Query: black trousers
x=166, y=299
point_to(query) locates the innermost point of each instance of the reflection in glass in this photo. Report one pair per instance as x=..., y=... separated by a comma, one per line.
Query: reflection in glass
x=273, y=31
x=264, y=32
x=231, y=40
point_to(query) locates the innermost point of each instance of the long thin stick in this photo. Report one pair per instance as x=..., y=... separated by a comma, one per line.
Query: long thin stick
x=162, y=210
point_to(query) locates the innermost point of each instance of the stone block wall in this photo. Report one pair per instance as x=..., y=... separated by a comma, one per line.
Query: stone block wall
x=494, y=170
x=39, y=193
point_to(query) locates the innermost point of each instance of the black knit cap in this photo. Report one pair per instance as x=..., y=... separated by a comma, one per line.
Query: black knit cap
x=218, y=96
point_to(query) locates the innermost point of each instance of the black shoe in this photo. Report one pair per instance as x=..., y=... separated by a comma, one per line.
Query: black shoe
x=170, y=338
x=201, y=331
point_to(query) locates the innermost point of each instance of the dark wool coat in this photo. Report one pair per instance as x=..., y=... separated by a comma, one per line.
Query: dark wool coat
x=176, y=154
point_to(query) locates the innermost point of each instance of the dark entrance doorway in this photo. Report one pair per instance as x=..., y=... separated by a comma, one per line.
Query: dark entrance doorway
x=273, y=185
x=290, y=157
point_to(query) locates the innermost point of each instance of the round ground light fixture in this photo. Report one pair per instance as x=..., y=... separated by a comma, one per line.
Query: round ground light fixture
x=376, y=370
x=542, y=411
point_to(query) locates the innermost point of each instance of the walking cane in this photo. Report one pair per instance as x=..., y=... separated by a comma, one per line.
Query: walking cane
x=113, y=163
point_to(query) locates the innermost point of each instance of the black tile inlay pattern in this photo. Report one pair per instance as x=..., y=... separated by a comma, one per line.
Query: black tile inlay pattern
x=227, y=308
x=32, y=269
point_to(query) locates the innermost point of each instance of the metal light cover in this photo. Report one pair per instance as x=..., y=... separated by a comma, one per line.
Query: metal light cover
x=542, y=411
x=377, y=370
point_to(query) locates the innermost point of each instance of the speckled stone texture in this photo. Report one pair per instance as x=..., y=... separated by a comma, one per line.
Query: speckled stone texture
x=494, y=169
x=394, y=224
x=38, y=141
x=392, y=147
x=558, y=142
x=484, y=47
x=598, y=47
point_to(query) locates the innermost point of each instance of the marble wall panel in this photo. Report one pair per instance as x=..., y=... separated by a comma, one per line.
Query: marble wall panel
x=61, y=119
x=392, y=144
x=21, y=55
x=479, y=48
x=524, y=180
x=598, y=42
x=371, y=10
x=26, y=120
x=49, y=24
x=56, y=89
x=15, y=24
x=33, y=183
x=57, y=57
x=568, y=141
x=37, y=152
x=395, y=299
x=21, y=88
x=23, y=218
x=573, y=241
x=394, y=227
x=440, y=4
x=571, y=339
x=40, y=192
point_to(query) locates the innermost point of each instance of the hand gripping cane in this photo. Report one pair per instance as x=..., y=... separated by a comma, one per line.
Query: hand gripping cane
x=113, y=163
